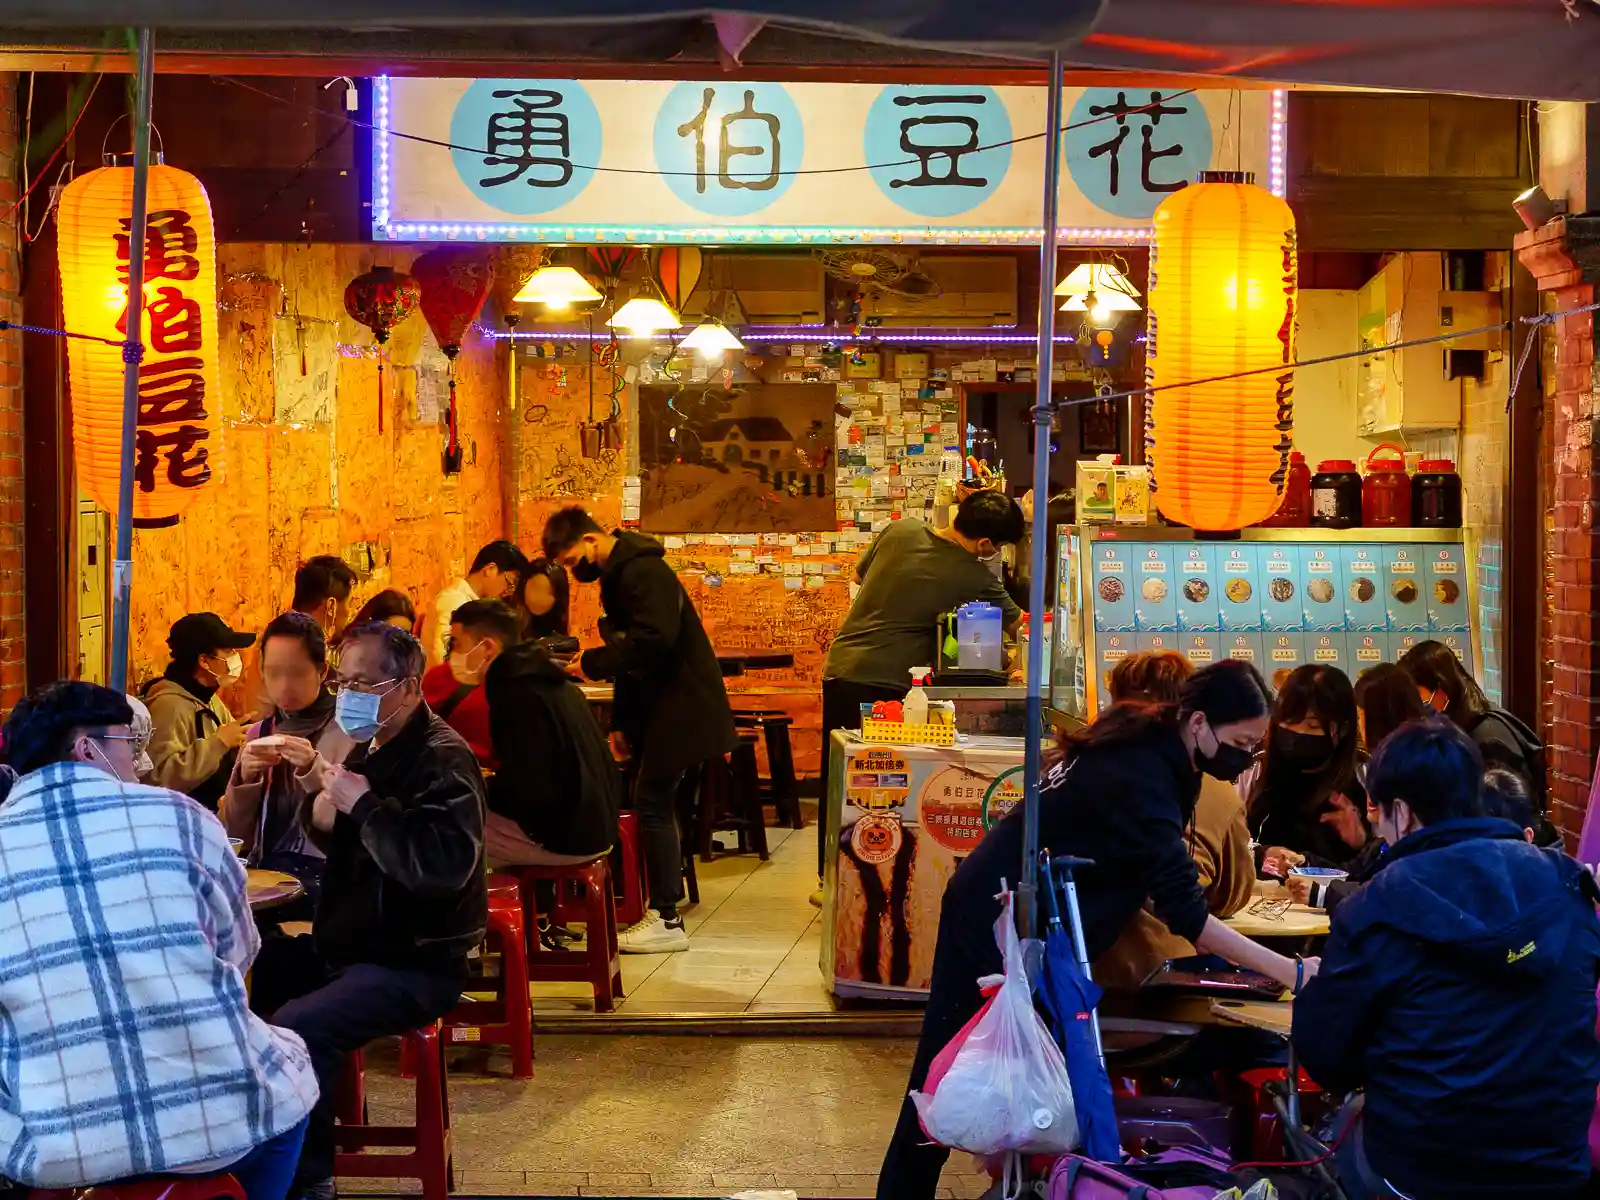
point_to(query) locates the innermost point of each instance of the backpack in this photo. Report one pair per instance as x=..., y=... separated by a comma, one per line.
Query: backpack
x=1179, y=1173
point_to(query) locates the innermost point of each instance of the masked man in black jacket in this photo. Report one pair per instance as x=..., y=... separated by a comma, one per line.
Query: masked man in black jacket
x=403, y=897
x=670, y=712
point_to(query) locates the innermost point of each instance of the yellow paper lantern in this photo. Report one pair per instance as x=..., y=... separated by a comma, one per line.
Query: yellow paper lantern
x=176, y=447
x=1222, y=300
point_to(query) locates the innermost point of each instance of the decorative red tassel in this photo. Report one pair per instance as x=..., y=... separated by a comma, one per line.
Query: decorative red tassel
x=380, y=395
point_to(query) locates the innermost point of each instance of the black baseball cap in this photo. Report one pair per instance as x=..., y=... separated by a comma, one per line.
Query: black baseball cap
x=204, y=633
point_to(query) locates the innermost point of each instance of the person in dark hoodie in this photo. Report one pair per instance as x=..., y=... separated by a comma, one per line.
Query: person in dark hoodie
x=403, y=894
x=1122, y=797
x=1458, y=989
x=670, y=711
x=1504, y=740
x=555, y=798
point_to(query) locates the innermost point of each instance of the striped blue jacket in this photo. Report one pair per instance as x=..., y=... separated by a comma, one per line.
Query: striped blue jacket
x=127, y=1046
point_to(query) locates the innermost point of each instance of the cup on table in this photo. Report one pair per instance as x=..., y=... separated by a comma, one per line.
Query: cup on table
x=1317, y=878
x=237, y=846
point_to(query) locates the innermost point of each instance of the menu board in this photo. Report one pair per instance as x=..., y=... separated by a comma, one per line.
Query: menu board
x=1277, y=605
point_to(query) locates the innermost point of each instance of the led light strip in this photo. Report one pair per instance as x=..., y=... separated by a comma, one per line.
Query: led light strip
x=779, y=334
x=383, y=228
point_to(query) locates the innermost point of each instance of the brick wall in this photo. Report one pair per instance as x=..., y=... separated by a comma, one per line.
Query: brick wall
x=1564, y=257
x=13, y=673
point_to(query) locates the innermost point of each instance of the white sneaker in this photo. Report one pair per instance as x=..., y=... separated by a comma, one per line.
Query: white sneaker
x=653, y=936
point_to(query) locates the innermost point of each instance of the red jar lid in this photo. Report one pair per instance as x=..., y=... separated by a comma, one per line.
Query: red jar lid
x=1377, y=466
x=1329, y=465
x=1296, y=459
x=1437, y=466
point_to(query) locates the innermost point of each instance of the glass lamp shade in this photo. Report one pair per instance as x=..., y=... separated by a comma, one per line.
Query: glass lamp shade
x=557, y=287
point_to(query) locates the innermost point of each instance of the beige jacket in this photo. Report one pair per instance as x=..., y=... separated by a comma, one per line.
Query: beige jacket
x=1220, y=846
x=185, y=750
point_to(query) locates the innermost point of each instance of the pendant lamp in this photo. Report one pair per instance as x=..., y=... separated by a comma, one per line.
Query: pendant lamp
x=1222, y=301
x=557, y=288
x=177, y=450
x=711, y=338
x=1100, y=277
x=644, y=316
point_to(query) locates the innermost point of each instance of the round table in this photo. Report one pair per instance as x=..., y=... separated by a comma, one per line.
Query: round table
x=1297, y=921
x=271, y=889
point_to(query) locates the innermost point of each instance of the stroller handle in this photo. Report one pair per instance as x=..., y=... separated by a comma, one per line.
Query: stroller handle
x=1069, y=863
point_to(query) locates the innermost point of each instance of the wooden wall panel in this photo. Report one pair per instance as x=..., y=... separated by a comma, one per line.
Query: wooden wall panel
x=1396, y=172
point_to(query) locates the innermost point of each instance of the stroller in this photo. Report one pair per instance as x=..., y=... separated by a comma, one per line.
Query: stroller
x=1185, y=1162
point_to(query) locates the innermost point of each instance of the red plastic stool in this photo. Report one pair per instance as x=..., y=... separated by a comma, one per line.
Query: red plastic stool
x=154, y=1187
x=426, y=1142
x=507, y=1018
x=629, y=879
x=597, y=962
x=1265, y=1132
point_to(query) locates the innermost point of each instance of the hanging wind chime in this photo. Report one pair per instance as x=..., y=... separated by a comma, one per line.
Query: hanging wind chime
x=380, y=300
x=455, y=282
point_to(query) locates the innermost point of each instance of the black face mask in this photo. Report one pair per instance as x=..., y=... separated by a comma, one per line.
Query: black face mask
x=586, y=571
x=1303, y=751
x=1227, y=764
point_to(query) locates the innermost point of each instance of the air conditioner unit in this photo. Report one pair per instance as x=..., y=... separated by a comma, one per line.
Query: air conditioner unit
x=975, y=291
x=774, y=289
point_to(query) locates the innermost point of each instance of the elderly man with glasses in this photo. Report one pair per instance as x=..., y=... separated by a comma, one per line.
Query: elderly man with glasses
x=403, y=898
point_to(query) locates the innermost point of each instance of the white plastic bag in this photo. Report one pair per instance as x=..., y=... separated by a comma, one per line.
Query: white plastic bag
x=1007, y=1087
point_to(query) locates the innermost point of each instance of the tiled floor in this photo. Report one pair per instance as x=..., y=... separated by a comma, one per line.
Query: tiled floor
x=755, y=941
x=627, y=1115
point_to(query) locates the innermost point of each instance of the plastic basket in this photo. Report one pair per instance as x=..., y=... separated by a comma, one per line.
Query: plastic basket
x=898, y=733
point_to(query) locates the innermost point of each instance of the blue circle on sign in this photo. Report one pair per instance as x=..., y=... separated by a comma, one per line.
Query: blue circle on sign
x=1127, y=162
x=729, y=149
x=925, y=147
x=524, y=144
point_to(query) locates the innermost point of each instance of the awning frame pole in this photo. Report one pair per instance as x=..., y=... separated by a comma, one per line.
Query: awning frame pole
x=132, y=354
x=1043, y=416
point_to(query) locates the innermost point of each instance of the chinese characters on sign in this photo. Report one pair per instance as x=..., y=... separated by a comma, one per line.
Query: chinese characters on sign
x=938, y=152
x=526, y=146
x=729, y=149
x=173, y=421
x=1127, y=150
x=702, y=161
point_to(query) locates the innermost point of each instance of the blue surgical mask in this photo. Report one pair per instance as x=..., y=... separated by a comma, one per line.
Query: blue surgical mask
x=357, y=714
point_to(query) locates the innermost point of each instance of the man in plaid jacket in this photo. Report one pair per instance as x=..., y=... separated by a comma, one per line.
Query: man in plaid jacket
x=127, y=1046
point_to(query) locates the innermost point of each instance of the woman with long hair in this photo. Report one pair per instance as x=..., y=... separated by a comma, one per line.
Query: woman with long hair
x=392, y=607
x=543, y=601
x=1121, y=796
x=1385, y=700
x=1304, y=801
x=1218, y=836
x=1446, y=686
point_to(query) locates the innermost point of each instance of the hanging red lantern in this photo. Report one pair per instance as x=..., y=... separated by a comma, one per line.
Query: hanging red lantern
x=380, y=300
x=455, y=282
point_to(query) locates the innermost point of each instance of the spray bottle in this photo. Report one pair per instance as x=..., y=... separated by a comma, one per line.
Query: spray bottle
x=916, y=703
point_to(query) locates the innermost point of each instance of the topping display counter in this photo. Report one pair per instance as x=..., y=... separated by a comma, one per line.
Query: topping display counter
x=1278, y=598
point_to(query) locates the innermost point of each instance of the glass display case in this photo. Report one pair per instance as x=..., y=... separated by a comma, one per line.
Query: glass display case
x=1279, y=598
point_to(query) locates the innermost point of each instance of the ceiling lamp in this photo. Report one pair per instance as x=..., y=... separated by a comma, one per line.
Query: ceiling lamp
x=1101, y=306
x=1099, y=277
x=711, y=338
x=557, y=288
x=644, y=316
x=1222, y=306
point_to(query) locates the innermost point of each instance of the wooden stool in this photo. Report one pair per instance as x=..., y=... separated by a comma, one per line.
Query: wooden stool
x=627, y=871
x=730, y=800
x=597, y=962
x=427, y=1140
x=151, y=1187
x=780, y=788
x=507, y=1019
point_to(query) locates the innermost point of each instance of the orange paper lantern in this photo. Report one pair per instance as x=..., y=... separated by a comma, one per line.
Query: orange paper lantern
x=176, y=447
x=1222, y=300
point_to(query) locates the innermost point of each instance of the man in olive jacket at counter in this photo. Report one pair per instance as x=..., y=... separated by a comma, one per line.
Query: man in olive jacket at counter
x=670, y=712
x=403, y=895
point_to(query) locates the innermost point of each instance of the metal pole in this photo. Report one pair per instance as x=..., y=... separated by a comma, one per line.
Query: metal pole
x=1043, y=414
x=132, y=352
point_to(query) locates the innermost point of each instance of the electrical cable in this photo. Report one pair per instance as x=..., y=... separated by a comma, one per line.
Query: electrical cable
x=6, y=216
x=1121, y=114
